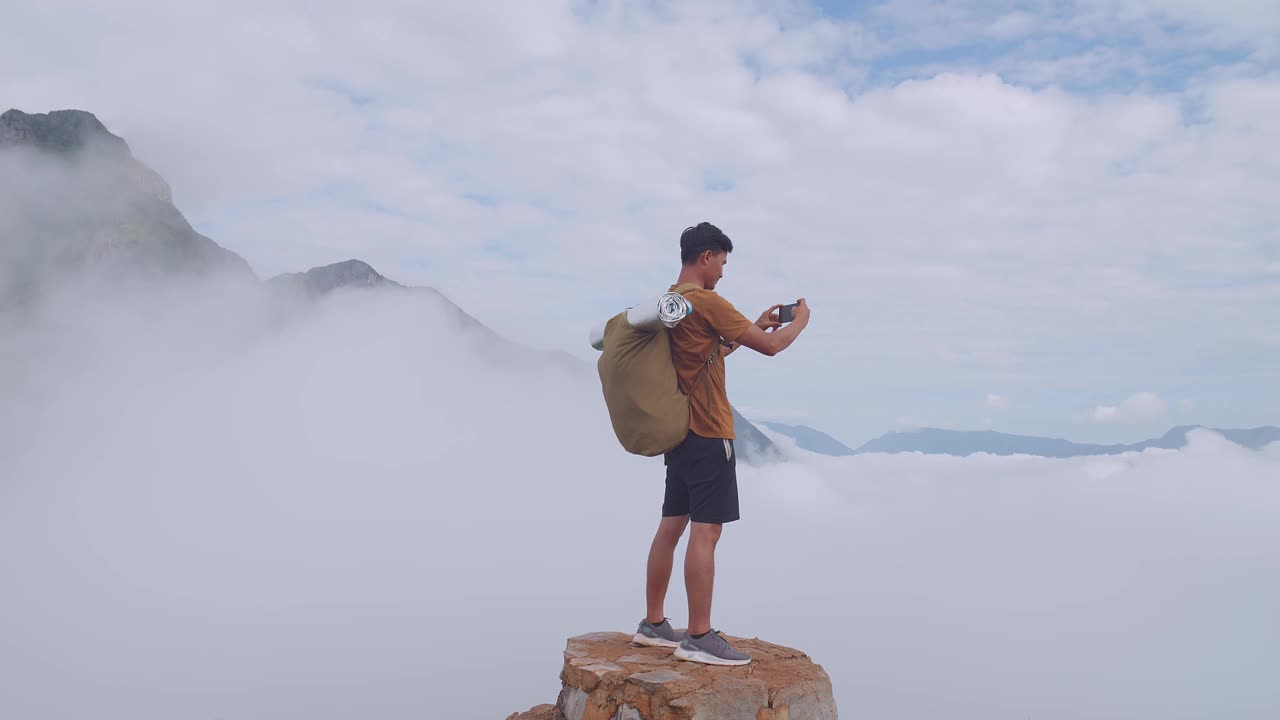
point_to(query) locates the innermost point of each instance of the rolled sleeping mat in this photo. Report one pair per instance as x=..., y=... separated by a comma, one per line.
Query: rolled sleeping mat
x=664, y=311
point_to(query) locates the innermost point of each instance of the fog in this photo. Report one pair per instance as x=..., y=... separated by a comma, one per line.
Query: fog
x=213, y=508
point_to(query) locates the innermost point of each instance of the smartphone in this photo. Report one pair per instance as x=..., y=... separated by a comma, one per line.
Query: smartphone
x=784, y=313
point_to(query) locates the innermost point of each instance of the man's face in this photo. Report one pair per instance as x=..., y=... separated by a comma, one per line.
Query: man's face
x=715, y=268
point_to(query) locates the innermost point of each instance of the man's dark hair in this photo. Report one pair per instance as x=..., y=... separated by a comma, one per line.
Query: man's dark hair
x=700, y=238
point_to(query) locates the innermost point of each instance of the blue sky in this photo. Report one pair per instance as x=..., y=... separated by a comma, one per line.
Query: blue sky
x=1040, y=217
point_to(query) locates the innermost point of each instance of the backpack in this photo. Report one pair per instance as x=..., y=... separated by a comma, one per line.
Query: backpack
x=647, y=407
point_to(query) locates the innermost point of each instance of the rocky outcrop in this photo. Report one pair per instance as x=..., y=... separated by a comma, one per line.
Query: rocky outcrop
x=606, y=677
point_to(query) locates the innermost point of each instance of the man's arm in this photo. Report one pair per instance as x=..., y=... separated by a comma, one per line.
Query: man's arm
x=772, y=343
x=768, y=321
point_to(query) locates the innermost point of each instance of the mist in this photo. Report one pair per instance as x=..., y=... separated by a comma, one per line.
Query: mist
x=213, y=507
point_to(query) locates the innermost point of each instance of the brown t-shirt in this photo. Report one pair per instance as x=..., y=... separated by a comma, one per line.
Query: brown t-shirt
x=692, y=342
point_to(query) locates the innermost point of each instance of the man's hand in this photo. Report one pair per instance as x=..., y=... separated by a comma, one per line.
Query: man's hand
x=801, y=312
x=781, y=336
x=769, y=319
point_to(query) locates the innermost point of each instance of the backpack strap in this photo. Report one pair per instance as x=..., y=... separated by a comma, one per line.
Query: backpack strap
x=684, y=289
x=702, y=374
x=706, y=365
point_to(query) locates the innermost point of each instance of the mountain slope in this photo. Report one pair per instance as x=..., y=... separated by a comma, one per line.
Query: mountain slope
x=357, y=275
x=753, y=446
x=75, y=204
x=809, y=439
x=1252, y=438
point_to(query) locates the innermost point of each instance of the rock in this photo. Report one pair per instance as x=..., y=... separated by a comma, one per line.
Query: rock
x=541, y=712
x=606, y=677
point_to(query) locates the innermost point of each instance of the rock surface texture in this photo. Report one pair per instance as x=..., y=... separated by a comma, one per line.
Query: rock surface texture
x=541, y=712
x=606, y=677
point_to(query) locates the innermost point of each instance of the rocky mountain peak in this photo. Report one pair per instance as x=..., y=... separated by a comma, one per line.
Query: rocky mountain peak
x=80, y=138
x=76, y=206
x=327, y=278
x=59, y=131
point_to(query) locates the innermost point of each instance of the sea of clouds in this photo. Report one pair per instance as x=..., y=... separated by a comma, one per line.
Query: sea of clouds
x=212, y=507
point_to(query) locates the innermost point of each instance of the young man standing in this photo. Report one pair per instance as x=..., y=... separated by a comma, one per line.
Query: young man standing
x=702, y=482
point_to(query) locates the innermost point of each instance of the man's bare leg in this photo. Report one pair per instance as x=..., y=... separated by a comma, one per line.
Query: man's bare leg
x=699, y=574
x=661, y=556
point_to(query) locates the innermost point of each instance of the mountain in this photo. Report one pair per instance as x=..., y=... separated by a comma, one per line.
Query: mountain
x=752, y=445
x=809, y=439
x=325, y=279
x=357, y=275
x=74, y=202
x=75, y=205
x=969, y=442
x=936, y=441
x=1252, y=438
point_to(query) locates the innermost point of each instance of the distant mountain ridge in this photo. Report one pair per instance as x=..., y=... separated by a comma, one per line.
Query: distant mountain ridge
x=936, y=441
x=810, y=439
x=961, y=442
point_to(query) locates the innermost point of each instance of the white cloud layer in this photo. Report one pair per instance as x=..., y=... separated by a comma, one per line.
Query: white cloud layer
x=212, y=511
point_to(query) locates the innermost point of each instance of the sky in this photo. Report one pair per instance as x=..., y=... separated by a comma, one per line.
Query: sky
x=1039, y=217
x=213, y=507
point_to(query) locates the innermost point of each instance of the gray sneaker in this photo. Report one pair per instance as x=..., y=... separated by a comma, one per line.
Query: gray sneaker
x=711, y=649
x=661, y=635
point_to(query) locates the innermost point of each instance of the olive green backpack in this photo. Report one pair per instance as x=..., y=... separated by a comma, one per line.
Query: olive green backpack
x=648, y=409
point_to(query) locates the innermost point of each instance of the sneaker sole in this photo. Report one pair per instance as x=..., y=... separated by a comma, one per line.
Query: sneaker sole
x=645, y=640
x=706, y=658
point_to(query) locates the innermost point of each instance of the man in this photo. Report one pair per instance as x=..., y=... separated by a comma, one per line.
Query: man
x=702, y=482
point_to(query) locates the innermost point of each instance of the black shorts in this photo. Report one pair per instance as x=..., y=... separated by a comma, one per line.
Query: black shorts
x=702, y=480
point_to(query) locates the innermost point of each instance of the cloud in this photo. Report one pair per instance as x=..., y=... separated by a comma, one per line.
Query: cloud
x=317, y=515
x=1139, y=406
